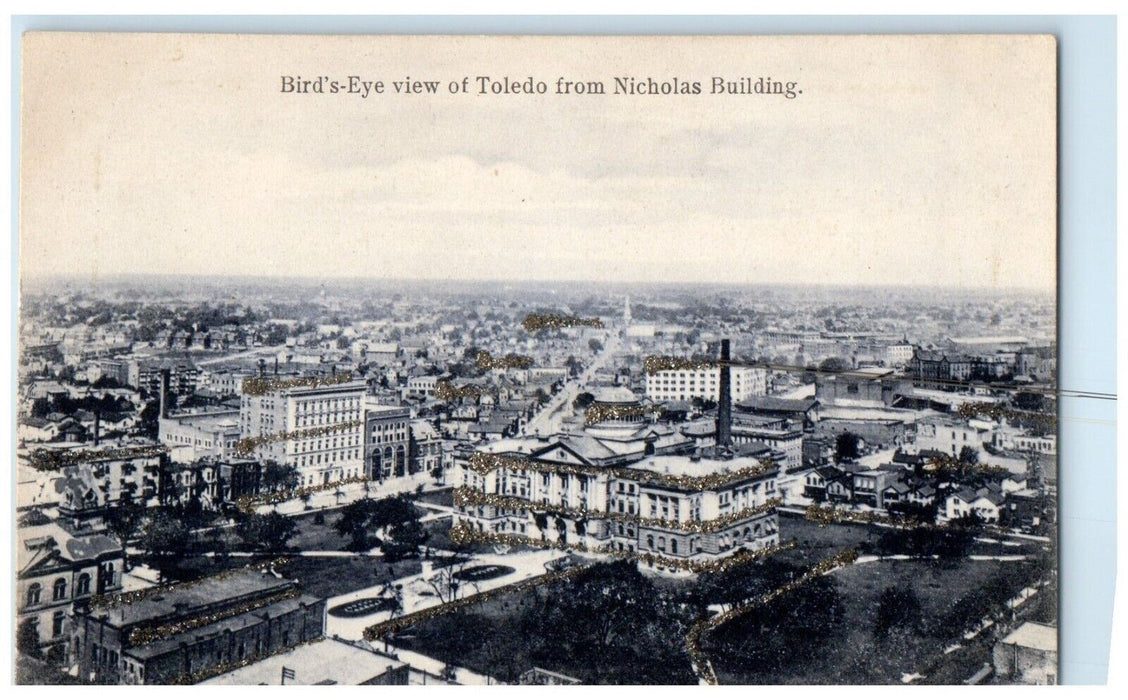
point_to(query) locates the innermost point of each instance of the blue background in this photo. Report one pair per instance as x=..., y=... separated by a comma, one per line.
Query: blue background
x=1087, y=242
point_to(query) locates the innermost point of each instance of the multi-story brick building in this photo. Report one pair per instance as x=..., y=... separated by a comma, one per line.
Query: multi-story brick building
x=387, y=441
x=625, y=486
x=193, y=631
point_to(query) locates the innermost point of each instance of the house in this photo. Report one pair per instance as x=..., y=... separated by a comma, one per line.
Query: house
x=868, y=487
x=923, y=494
x=985, y=503
x=33, y=429
x=817, y=481
x=1023, y=509
x=840, y=489
x=896, y=492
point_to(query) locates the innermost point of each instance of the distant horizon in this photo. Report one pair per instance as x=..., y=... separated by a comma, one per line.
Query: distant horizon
x=150, y=277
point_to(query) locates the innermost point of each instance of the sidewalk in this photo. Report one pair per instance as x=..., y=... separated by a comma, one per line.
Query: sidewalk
x=322, y=500
x=418, y=594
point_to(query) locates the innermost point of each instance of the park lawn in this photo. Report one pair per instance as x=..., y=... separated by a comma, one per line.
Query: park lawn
x=314, y=537
x=814, y=542
x=497, y=638
x=851, y=653
x=326, y=577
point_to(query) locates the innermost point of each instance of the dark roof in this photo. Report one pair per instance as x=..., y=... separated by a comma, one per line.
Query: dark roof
x=772, y=403
x=209, y=591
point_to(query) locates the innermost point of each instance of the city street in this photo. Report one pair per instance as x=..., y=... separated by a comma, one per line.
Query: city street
x=550, y=419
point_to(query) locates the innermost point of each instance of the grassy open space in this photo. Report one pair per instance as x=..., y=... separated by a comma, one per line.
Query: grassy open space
x=849, y=648
x=827, y=633
x=332, y=576
x=610, y=625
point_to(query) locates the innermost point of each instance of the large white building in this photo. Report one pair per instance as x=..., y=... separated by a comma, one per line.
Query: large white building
x=675, y=513
x=704, y=383
x=192, y=435
x=318, y=429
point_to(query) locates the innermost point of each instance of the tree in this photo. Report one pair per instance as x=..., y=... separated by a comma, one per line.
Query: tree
x=969, y=455
x=27, y=637
x=595, y=345
x=847, y=446
x=583, y=400
x=165, y=540
x=834, y=364
x=404, y=539
x=266, y=532
x=124, y=522
x=898, y=607
x=353, y=523
x=279, y=477
x=574, y=366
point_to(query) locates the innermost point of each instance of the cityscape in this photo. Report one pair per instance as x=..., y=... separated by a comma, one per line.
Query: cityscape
x=269, y=480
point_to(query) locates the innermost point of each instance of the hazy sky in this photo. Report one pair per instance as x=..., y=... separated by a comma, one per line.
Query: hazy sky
x=906, y=160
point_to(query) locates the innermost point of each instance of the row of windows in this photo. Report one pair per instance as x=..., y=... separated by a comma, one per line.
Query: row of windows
x=326, y=444
x=329, y=458
x=59, y=589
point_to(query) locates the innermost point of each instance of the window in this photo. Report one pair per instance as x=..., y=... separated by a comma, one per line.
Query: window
x=83, y=585
x=60, y=590
x=57, y=623
x=33, y=593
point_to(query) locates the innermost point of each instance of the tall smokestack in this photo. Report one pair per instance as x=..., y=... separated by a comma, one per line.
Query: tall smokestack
x=724, y=403
x=164, y=393
x=97, y=426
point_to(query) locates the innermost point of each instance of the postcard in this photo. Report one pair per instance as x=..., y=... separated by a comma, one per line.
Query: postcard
x=540, y=360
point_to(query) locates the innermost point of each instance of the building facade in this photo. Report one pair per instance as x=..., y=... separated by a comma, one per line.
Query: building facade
x=198, y=434
x=56, y=569
x=676, y=511
x=317, y=429
x=704, y=383
x=387, y=441
x=194, y=631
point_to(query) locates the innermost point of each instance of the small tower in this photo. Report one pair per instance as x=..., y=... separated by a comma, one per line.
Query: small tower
x=627, y=310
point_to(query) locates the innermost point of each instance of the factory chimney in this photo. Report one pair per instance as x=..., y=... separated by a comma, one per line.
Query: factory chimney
x=97, y=426
x=262, y=368
x=164, y=393
x=724, y=402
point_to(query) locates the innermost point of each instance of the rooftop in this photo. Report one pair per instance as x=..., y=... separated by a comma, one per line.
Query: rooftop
x=209, y=591
x=678, y=465
x=322, y=662
x=234, y=623
x=1033, y=635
